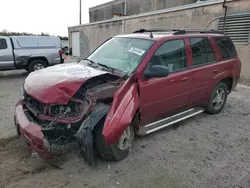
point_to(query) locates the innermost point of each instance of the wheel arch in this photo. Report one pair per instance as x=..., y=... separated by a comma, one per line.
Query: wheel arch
x=84, y=136
x=43, y=58
x=227, y=78
x=229, y=83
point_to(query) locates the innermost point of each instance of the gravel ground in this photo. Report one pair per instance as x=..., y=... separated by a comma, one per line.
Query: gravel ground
x=205, y=151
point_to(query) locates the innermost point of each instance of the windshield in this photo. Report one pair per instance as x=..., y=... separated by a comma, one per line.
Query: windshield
x=124, y=54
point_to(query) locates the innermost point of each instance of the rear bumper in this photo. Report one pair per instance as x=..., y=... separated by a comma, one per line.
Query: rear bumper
x=31, y=132
x=62, y=60
x=57, y=61
x=235, y=82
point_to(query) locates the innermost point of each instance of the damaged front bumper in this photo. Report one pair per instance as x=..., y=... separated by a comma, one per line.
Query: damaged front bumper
x=31, y=132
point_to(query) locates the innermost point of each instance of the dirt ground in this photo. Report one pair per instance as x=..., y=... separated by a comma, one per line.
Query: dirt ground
x=203, y=152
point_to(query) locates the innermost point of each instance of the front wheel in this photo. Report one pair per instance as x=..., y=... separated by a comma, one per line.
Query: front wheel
x=117, y=151
x=218, y=99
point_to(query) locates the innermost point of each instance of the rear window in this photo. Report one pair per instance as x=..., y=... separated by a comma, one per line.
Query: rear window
x=226, y=47
x=3, y=44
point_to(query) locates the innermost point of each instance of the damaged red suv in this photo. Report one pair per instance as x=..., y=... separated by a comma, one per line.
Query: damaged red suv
x=132, y=84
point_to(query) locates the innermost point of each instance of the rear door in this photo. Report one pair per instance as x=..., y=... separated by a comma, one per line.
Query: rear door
x=6, y=54
x=162, y=97
x=204, y=69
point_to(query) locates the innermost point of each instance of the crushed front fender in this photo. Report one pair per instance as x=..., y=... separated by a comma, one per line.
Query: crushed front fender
x=124, y=107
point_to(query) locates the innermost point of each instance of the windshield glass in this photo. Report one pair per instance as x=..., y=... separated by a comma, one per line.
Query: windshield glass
x=124, y=54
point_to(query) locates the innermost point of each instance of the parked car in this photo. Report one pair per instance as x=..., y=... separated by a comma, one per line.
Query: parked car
x=132, y=84
x=29, y=52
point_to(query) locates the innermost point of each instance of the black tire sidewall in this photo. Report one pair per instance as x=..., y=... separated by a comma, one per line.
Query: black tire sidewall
x=210, y=109
x=121, y=154
x=35, y=62
x=111, y=152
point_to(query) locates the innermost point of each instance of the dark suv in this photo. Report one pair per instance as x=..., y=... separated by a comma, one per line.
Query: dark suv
x=132, y=84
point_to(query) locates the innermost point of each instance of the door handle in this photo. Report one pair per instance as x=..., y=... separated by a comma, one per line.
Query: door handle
x=184, y=79
x=215, y=71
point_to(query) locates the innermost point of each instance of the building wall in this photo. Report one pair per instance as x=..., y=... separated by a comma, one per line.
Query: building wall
x=106, y=11
x=96, y=33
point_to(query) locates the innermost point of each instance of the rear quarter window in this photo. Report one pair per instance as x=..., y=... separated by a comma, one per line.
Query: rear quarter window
x=226, y=48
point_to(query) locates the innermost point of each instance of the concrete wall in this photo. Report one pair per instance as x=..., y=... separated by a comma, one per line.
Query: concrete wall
x=92, y=35
x=106, y=11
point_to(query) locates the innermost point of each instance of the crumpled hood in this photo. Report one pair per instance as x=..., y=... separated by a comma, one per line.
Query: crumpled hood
x=58, y=84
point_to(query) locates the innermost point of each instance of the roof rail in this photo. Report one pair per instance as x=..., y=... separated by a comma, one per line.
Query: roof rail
x=178, y=31
x=153, y=30
x=198, y=31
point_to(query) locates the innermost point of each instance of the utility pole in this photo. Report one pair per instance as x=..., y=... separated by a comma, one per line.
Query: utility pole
x=125, y=8
x=124, y=14
x=80, y=14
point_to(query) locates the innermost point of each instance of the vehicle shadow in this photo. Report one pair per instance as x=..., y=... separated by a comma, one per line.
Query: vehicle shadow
x=13, y=74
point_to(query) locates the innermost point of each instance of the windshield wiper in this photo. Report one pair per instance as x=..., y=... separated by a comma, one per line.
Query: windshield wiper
x=90, y=61
x=99, y=64
x=107, y=67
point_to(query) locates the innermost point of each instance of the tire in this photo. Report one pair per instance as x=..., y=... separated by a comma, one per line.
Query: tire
x=113, y=152
x=217, y=101
x=37, y=65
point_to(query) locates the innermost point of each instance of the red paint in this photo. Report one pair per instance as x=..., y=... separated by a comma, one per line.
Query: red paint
x=161, y=97
x=125, y=104
x=31, y=132
x=58, y=84
x=155, y=98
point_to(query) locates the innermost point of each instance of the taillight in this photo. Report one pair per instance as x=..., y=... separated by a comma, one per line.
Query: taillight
x=60, y=52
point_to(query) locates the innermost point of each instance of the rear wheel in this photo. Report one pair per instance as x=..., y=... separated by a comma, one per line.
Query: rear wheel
x=37, y=65
x=217, y=99
x=117, y=151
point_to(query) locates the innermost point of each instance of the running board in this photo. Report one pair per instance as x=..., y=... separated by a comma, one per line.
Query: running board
x=155, y=126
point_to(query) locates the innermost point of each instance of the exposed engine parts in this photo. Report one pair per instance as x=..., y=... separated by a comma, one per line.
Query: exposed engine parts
x=61, y=123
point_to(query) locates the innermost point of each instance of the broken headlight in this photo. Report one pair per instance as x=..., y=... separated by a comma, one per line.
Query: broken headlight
x=68, y=110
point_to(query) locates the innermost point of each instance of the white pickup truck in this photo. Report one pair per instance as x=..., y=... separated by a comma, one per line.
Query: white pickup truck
x=29, y=52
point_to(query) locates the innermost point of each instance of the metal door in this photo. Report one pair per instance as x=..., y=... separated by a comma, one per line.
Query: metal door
x=76, y=44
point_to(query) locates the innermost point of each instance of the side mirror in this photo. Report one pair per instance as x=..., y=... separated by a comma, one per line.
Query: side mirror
x=157, y=71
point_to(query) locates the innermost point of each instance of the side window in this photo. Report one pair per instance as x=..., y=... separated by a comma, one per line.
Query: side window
x=171, y=54
x=3, y=44
x=202, y=51
x=226, y=47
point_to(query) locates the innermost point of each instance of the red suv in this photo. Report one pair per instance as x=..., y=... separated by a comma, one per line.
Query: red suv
x=132, y=84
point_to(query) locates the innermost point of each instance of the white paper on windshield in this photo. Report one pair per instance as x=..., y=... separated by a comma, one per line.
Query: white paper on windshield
x=136, y=51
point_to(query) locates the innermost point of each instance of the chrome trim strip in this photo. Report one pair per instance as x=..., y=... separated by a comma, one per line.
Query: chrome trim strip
x=151, y=124
x=173, y=122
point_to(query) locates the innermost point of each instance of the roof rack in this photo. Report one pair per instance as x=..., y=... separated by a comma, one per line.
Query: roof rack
x=152, y=30
x=178, y=31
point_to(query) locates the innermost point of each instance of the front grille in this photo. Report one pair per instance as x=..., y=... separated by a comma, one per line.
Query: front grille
x=34, y=105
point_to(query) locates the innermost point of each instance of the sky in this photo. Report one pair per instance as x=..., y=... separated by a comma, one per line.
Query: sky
x=48, y=16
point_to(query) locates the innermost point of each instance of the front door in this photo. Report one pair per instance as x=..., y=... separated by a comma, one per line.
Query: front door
x=6, y=54
x=162, y=97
